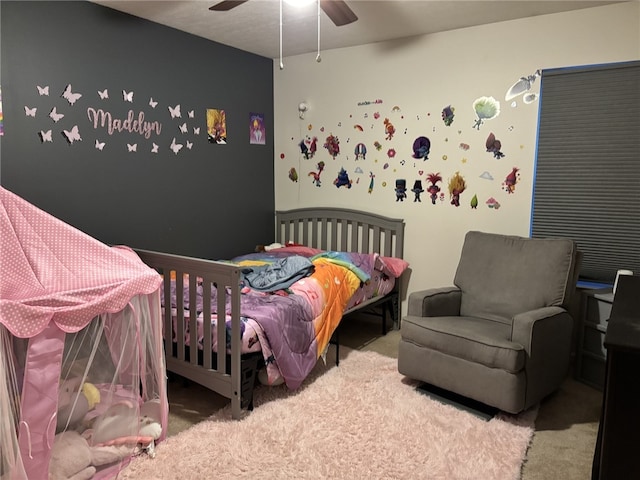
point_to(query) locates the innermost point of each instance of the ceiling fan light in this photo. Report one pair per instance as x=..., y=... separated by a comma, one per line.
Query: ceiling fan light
x=299, y=3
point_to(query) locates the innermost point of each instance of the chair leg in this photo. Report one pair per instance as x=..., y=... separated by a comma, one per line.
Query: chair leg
x=394, y=310
x=384, y=317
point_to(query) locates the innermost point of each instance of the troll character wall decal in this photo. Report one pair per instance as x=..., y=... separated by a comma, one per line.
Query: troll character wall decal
x=316, y=175
x=509, y=184
x=417, y=190
x=447, y=115
x=457, y=185
x=332, y=144
x=421, y=148
x=304, y=150
x=486, y=108
x=389, y=129
x=494, y=145
x=493, y=203
x=343, y=179
x=401, y=190
x=308, y=147
x=433, y=188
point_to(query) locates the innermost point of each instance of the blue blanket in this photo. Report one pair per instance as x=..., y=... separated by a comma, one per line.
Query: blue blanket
x=278, y=275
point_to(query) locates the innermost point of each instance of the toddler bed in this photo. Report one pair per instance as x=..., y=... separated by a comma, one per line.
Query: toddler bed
x=281, y=306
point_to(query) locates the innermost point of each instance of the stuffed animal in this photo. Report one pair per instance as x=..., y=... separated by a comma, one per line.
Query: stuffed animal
x=75, y=400
x=115, y=435
x=149, y=424
x=121, y=420
x=73, y=459
x=122, y=423
x=266, y=248
x=92, y=394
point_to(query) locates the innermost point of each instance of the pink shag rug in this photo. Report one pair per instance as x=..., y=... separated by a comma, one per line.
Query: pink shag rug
x=361, y=420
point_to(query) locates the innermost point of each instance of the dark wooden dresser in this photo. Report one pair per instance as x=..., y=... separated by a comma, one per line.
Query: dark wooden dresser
x=617, y=453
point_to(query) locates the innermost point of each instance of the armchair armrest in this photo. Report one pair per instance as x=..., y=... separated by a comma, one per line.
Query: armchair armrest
x=435, y=302
x=525, y=324
x=545, y=334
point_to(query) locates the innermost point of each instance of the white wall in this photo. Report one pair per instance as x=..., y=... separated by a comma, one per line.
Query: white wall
x=421, y=76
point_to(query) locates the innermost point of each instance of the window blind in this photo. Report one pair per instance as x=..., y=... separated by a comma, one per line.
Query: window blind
x=587, y=180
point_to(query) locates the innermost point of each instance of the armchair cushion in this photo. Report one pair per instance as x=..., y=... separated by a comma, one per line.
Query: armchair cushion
x=502, y=275
x=469, y=338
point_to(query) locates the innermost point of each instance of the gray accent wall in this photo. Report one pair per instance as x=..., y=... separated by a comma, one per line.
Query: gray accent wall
x=210, y=200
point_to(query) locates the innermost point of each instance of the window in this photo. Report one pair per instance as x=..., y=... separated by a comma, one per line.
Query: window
x=587, y=181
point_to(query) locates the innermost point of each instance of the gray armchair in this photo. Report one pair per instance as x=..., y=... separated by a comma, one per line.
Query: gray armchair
x=501, y=335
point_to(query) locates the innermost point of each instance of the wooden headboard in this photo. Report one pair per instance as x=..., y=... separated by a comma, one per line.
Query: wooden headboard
x=341, y=229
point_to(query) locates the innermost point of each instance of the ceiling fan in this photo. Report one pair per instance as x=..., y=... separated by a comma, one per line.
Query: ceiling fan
x=337, y=10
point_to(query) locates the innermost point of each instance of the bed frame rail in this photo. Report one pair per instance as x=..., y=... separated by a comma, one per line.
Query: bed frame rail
x=185, y=361
x=341, y=229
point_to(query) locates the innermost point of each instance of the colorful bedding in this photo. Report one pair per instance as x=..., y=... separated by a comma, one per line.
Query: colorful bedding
x=292, y=325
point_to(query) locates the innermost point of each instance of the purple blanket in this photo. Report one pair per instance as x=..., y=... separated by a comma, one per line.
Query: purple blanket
x=295, y=332
x=287, y=322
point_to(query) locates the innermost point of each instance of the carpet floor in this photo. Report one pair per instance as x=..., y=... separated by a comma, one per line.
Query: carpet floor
x=361, y=420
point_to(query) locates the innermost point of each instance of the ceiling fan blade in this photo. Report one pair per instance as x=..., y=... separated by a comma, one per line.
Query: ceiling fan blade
x=226, y=5
x=338, y=11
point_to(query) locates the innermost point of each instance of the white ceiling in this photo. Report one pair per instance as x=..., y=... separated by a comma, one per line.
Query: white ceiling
x=255, y=26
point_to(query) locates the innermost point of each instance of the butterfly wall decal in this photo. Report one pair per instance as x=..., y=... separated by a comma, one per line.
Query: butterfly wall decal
x=175, y=147
x=183, y=127
x=103, y=94
x=127, y=96
x=175, y=111
x=152, y=103
x=55, y=116
x=45, y=136
x=189, y=144
x=132, y=148
x=30, y=112
x=100, y=145
x=72, y=135
x=196, y=130
x=69, y=96
x=191, y=113
x=43, y=90
x=154, y=148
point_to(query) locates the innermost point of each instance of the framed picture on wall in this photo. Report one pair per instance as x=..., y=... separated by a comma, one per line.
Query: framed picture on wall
x=216, y=126
x=257, y=131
